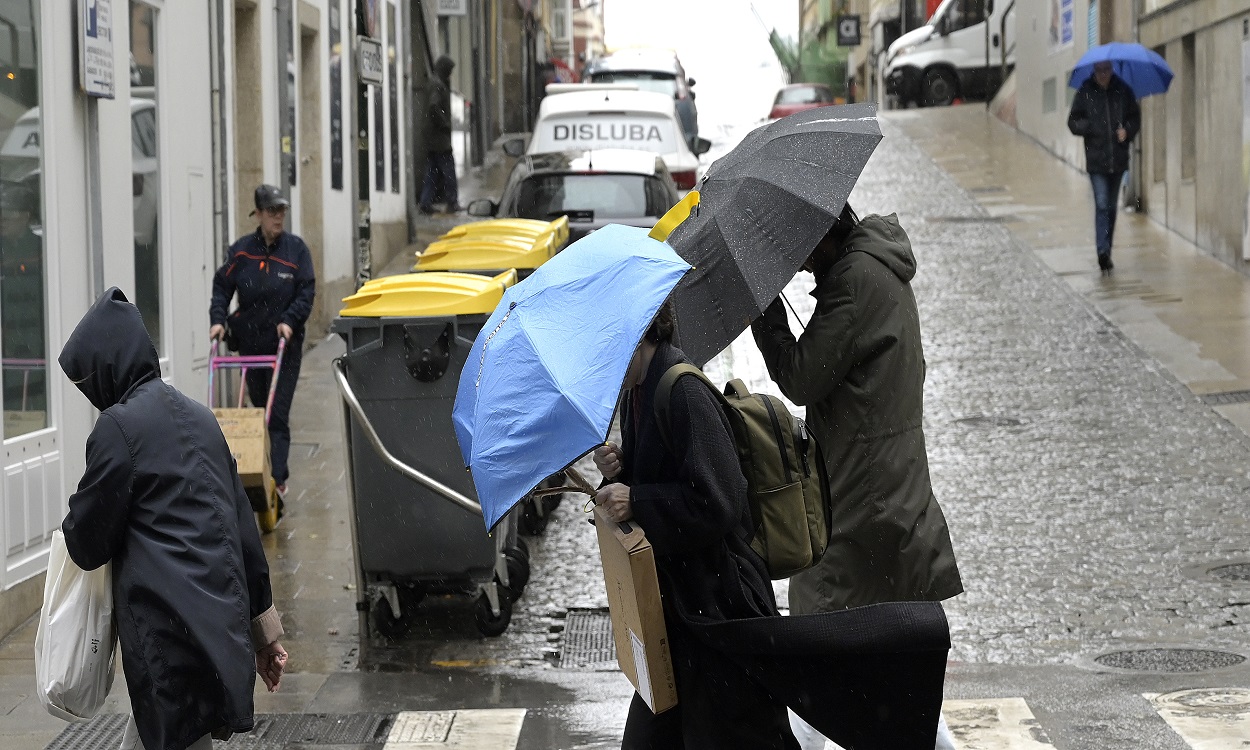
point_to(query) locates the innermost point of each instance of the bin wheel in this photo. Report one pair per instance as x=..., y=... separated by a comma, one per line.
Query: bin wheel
x=487, y=623
x=551, y=502
x=533, y=520
x=387, y=624
x=268, y=519
x=522, y=548
x=518, y=571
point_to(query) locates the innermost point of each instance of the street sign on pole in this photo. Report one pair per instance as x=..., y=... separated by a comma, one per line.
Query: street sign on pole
x=848, y=31
x=95, y=47
x=453, y=7
x=371, y=63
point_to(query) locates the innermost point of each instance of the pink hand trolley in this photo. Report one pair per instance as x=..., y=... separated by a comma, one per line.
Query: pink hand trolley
x=247, y=429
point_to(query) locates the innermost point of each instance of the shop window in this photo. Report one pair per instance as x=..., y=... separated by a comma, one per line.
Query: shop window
x=145, y=178
x=392, y=88
x=23, y=301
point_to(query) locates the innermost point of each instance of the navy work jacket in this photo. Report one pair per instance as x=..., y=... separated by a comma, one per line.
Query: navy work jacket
x=275, y=284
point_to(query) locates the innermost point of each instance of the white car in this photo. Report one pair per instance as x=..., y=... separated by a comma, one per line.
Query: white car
x=581, y=117
x=19, y=162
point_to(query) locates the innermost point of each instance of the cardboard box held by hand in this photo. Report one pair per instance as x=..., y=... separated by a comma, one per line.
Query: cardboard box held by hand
x=637, y=615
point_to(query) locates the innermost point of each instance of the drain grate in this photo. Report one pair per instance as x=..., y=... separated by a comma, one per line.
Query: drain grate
x=1227, y=397
x=989, y=420
x=101, y=733
x=587, y=642
x=1239, y=572
x=272, y=732
x=1175, y=660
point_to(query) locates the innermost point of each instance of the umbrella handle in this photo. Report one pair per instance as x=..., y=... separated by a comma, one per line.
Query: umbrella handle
x=674, y=217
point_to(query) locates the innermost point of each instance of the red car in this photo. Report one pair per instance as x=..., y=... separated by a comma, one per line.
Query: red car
x=800, y=96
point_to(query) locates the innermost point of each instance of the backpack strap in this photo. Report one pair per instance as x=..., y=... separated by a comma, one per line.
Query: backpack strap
x=664, y=393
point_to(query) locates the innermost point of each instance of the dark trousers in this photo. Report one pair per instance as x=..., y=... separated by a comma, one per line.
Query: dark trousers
x=440, y=179
x=718, y=706
x=1106, y=198
x=279, y=419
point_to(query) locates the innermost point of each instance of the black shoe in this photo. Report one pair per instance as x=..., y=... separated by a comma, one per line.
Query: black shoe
x=427, y=210
x=455, y=208
x=1104, y=262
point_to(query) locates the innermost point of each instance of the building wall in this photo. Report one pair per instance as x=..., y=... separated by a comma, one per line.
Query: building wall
x=1190, y=184
x=41, y=467
x=1043, y=96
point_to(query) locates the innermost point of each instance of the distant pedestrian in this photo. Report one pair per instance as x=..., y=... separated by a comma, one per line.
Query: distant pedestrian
x=1105, y=113
x=160, y=498
x=859, y=369
x=271, y=270
x=440, y=163
x=692, y=503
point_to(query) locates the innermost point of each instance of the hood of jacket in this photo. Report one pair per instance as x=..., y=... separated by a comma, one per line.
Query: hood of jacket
x=883, y=238
x=443, y=66
x=110, y=352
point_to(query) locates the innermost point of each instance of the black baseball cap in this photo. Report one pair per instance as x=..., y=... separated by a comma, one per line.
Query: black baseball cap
x=268, y=196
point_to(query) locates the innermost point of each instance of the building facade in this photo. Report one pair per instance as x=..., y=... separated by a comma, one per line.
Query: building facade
x=1190, y=180
x=94, y=192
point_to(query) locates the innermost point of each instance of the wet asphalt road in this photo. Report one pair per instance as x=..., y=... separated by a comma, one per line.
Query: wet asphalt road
x=1087, y=492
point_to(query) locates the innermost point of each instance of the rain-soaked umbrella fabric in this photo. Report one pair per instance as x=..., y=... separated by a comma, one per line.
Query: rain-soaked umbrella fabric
x=763, y=207
x=1144, y=70
x=541, y=382
x=866, y=677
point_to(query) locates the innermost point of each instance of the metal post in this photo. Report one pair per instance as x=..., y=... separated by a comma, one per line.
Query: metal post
x=95, y=186
x=360, y=126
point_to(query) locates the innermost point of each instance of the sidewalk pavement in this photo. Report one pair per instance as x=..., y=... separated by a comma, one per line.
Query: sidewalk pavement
x=1183, y=307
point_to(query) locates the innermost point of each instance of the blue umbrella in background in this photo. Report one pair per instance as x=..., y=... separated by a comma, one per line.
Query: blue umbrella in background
x=1144, y=70
x=541, y=382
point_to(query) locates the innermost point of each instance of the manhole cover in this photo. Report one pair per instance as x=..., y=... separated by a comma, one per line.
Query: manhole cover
x=588, y=641
x=989, y=420
x=1170, y=660
x=1234, y=572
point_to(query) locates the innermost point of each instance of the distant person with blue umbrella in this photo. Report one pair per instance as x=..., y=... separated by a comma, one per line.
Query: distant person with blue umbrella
x=1109, y=80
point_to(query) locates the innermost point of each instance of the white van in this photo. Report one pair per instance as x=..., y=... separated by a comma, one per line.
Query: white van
x=945, y=59
x=598, y=116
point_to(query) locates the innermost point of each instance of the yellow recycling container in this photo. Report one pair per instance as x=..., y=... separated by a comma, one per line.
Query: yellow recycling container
x=487, y=253
x=557, y=228
x=426, y=294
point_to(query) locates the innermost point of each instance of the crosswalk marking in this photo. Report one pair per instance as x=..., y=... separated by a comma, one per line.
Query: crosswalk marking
x=1209, y=719
x=462, y=729
x=996, y=724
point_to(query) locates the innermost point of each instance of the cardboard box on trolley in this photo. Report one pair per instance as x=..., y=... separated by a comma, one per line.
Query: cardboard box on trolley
x=248, y=439
x=642, y=648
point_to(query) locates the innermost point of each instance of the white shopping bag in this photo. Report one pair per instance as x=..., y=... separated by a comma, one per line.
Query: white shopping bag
x=76, y=638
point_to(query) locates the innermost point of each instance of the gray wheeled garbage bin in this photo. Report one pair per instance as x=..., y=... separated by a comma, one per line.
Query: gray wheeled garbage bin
x=417, y=526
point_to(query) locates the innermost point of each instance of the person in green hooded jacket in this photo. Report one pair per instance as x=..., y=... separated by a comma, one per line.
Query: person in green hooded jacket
x=859, y=369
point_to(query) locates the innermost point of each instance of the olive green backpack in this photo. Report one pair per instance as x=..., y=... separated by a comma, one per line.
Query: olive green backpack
x=787, y=487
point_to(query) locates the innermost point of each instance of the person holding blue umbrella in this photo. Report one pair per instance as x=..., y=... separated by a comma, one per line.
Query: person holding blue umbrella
x=1109, y=79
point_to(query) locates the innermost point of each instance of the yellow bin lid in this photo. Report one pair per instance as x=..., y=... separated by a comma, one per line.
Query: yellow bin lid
x=485, y=253
x=427, y=294
x=557, y=228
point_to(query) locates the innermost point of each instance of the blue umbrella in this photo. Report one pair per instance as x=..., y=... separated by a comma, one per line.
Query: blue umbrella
x=1145, y=71
x=541, y=382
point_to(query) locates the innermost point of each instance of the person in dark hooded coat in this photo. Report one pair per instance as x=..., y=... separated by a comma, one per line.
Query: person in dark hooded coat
x=691, y=503
x=161, y=499
x=440, y=163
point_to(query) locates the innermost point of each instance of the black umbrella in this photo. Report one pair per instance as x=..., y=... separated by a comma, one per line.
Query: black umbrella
x=763, y=207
